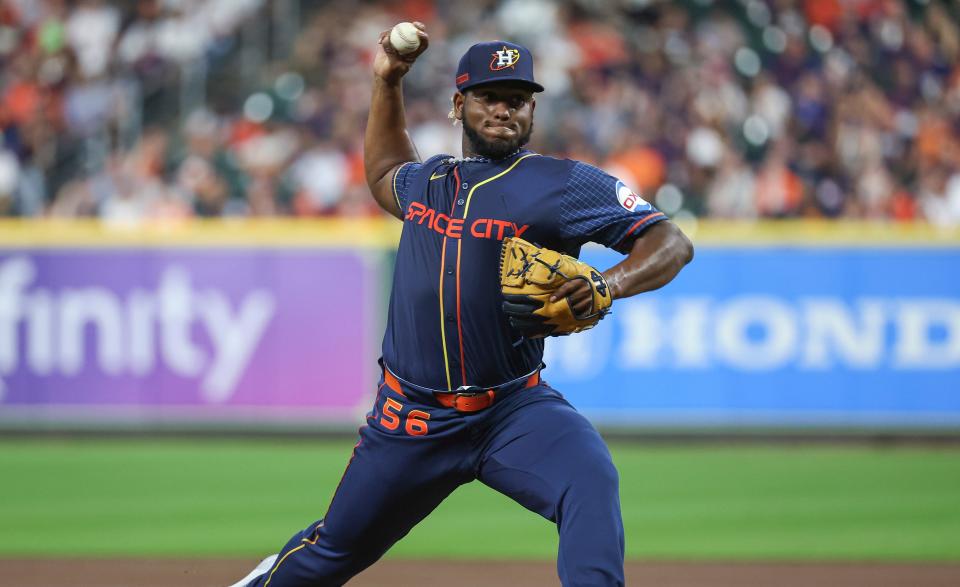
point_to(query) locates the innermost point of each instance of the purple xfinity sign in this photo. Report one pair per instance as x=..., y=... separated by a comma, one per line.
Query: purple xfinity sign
x=189, y=333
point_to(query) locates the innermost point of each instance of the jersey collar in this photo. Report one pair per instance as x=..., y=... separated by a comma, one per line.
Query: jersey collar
x=454, y=160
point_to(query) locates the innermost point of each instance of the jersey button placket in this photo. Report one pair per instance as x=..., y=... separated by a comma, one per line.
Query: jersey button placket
x=450, y=309
x=450, y=287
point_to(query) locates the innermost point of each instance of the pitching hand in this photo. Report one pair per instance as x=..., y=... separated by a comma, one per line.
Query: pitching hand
x=578, y=294
x=390, y=65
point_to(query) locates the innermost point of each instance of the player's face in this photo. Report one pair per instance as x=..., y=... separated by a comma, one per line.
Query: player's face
x=497, y=118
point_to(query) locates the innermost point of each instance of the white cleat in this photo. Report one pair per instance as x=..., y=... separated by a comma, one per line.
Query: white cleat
x=264, y=566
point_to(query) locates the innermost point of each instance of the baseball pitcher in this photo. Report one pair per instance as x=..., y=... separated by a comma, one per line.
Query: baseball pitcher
x=486, y=269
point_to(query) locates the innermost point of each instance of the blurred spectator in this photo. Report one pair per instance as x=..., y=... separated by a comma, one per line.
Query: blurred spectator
x=91, y=29
x=742, y=109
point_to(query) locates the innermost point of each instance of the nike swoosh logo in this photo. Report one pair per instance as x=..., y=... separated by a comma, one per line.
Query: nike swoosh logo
x=435, y=176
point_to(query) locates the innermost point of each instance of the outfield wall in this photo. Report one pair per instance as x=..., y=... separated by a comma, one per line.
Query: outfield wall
x=254, y=324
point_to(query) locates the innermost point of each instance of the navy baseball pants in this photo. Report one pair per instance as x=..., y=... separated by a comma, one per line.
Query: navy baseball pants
x=530, y=445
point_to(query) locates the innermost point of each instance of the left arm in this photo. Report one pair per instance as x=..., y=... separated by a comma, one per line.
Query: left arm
x=657, y=256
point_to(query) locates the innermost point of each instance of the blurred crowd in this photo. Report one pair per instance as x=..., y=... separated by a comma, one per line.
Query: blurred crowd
x=725, y=109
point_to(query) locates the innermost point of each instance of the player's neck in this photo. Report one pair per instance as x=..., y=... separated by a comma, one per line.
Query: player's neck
x=468, y=151
x=472, y=155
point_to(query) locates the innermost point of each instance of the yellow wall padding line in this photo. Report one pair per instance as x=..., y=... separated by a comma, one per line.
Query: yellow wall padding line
x=377, y=232
x=820, y=233
x=384, y=233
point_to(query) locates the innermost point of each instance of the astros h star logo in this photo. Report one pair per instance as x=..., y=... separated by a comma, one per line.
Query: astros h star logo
x=504, y=58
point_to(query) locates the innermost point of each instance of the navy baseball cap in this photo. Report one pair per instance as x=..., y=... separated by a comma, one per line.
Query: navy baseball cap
x=496, y=61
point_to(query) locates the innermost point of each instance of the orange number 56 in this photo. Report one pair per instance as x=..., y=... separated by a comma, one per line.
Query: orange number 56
x=416, y=424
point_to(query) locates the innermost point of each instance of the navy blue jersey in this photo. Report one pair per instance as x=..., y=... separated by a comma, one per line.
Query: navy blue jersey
x=445, y=327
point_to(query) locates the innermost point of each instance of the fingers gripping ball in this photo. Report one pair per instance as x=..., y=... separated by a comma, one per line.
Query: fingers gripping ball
x=404, y=38
x=529, y=275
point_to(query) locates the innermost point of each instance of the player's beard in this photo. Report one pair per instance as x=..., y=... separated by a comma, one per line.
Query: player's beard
x=494, y=149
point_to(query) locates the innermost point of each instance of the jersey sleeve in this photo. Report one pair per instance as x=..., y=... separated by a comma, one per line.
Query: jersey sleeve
x=403, y=181
x=409, y=175
x=598, y=207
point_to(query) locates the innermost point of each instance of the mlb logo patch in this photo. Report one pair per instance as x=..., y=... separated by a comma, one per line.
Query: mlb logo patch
x=504, y=58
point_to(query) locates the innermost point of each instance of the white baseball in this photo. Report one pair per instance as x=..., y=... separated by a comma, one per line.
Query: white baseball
x=404, y=38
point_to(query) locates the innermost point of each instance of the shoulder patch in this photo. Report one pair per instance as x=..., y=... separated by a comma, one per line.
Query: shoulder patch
x=629, y=200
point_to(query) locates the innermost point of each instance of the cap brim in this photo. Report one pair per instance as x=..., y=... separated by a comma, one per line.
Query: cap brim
x=533, y=85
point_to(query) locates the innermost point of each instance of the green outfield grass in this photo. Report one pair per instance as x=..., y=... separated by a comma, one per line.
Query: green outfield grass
x=223, y=498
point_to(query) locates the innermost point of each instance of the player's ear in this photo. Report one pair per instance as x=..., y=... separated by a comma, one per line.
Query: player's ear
x=458, y=99
x=456, y=110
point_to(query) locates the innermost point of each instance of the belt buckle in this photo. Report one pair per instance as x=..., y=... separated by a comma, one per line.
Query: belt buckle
x=469, y=391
